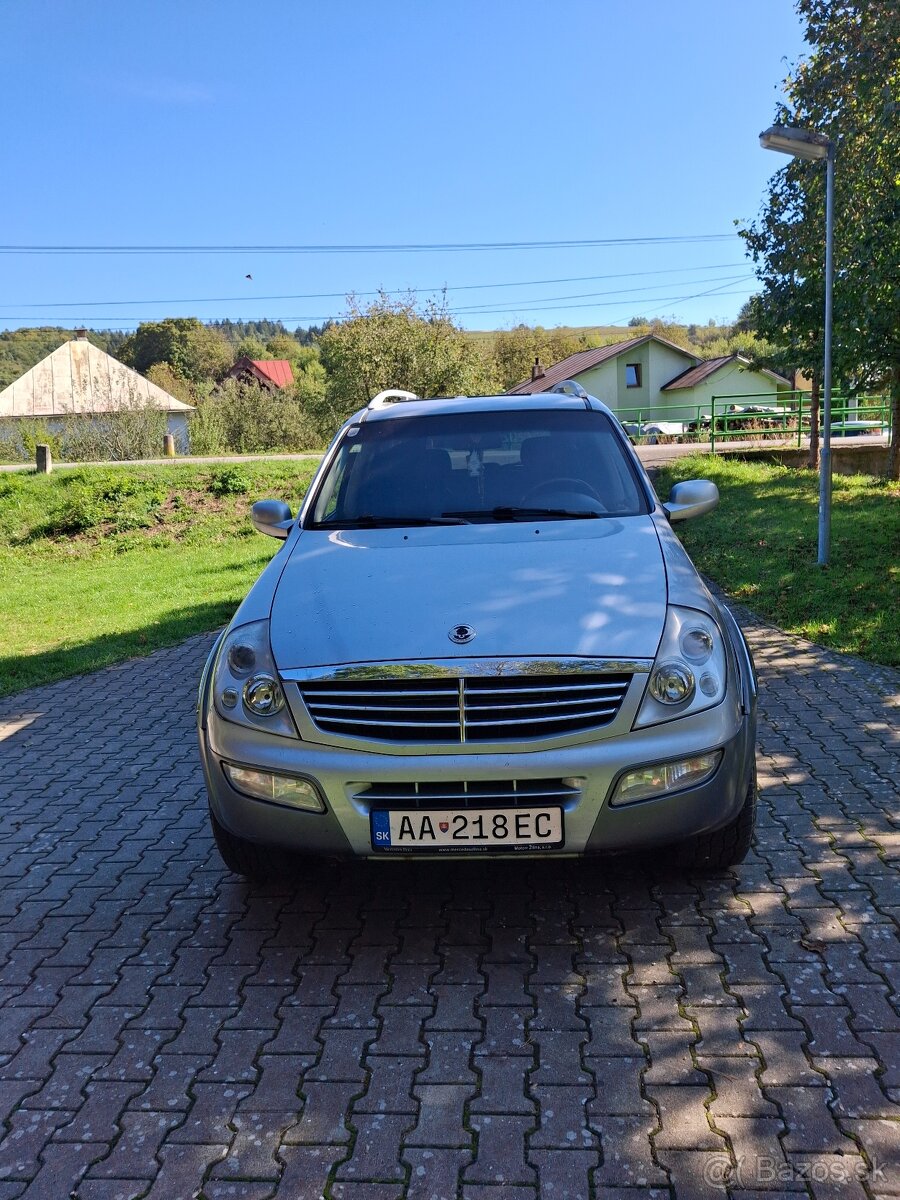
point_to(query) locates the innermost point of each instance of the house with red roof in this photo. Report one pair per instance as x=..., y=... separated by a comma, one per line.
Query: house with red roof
x=271, y=373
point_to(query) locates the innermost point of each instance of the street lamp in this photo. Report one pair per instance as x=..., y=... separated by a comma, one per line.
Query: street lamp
x=806, y=143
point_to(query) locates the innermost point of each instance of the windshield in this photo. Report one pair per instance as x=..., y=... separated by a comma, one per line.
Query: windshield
x=455, y=468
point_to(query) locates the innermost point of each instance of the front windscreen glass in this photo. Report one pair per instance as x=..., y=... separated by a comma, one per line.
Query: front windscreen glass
x=455, y=468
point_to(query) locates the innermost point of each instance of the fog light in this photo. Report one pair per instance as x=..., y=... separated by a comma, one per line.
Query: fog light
x=672, y=683
x=661, y=778
x=263, y=696
x=278, y=789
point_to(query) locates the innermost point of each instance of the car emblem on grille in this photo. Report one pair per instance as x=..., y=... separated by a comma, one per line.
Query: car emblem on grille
x=462, y=634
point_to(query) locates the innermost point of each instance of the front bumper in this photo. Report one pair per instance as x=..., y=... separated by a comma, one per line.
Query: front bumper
x=591, y=824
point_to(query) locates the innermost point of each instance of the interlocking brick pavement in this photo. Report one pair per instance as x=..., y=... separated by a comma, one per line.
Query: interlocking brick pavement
x=538, y=1030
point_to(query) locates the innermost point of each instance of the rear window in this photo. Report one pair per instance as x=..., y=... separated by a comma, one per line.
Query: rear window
x=478, y=466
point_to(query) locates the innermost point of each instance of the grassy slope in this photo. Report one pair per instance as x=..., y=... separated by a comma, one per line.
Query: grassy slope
x=760, y=546
x=177, y=560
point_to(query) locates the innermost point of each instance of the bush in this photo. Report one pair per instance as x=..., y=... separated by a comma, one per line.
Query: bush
x=134, y=431
x=37, y=433
x=18, y=440
x=245, y=419
x=131, y=432
x=230, y=481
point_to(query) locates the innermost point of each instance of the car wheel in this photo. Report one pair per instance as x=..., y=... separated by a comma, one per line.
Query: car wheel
x=250, y=859
x=724, y=847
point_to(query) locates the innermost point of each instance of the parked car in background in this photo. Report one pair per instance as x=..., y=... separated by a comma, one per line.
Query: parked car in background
x=654, y=430
x=480, y=637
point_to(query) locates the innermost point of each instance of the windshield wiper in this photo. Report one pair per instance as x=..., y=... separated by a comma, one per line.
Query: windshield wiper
x=509, y=512
x=370, y=521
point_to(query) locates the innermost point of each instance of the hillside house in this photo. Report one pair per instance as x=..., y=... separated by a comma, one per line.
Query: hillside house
x=662, y=380
x=271, y=373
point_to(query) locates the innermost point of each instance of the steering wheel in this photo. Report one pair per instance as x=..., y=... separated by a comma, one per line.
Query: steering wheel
x=562, y=484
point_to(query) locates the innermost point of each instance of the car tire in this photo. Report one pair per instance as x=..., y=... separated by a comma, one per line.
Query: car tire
x=725, y=847
x=250, y=859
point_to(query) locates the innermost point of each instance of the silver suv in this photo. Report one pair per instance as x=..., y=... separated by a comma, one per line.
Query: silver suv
x=480, y=637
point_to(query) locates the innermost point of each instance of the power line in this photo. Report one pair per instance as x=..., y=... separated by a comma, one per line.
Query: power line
x=617, y=321
x=696, y=296
x=534, y=303
x=587, y=295
x=607, y=304
x=316, y=320
x=373, y=248
x=463, y=287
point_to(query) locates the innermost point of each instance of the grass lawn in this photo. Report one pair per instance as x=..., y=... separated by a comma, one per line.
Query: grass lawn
x=100, y=564
x=760, y=546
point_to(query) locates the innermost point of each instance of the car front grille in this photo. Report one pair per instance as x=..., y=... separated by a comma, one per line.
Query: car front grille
x=491, y=793
x=491, y=708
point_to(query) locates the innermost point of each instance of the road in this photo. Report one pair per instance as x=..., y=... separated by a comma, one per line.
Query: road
x=452, y=1032
x=649, y=455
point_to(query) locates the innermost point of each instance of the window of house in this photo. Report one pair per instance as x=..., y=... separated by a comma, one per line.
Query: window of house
x=632, y=374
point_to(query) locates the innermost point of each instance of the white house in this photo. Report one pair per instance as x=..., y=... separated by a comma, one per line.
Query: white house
x=78, y=380
x=654, y=376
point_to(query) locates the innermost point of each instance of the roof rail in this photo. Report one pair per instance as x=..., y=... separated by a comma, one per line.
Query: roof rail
x=391, y=396
x=571, y=387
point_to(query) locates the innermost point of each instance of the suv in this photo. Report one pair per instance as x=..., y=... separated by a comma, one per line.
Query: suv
x=480, y=637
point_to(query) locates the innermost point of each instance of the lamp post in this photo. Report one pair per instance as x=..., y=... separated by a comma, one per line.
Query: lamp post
x=806, y=143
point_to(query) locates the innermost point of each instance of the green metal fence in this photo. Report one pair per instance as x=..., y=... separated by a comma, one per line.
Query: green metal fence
x=782, y=417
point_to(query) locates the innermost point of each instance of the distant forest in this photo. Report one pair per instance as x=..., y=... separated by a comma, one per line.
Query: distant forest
x=20, y=349
x=511, y=349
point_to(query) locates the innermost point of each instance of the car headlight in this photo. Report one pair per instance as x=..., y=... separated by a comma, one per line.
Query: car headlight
x=690, y=671
x=245, y=683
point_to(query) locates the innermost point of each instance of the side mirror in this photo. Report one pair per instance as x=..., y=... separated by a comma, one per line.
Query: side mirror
x=691, y=498
x=272, y=517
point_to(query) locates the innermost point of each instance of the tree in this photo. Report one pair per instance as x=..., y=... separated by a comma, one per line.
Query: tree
x=514, y=350
x=243, y=418
x=849, y=89
x=249, y=347
x=747, y=320
x=193, y=350
x=394, y=343
x=163, y=376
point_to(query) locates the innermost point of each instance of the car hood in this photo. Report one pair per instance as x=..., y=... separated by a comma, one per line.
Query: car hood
x=529, y=589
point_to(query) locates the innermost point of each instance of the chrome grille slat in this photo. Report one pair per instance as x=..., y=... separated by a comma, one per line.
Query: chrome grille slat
x=473, y=688
x=401, y=724
x=325, y=709
x=528, y=705
x=468, y=709
x=604, y=712
x=492, y=793
x=361, y=694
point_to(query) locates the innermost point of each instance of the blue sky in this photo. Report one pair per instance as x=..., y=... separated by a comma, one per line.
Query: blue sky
x=213, y=122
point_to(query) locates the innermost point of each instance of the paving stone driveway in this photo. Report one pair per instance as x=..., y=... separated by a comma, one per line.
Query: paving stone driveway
x=492, y=1033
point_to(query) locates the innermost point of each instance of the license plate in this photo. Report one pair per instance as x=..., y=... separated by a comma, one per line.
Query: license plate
x=469, y=829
